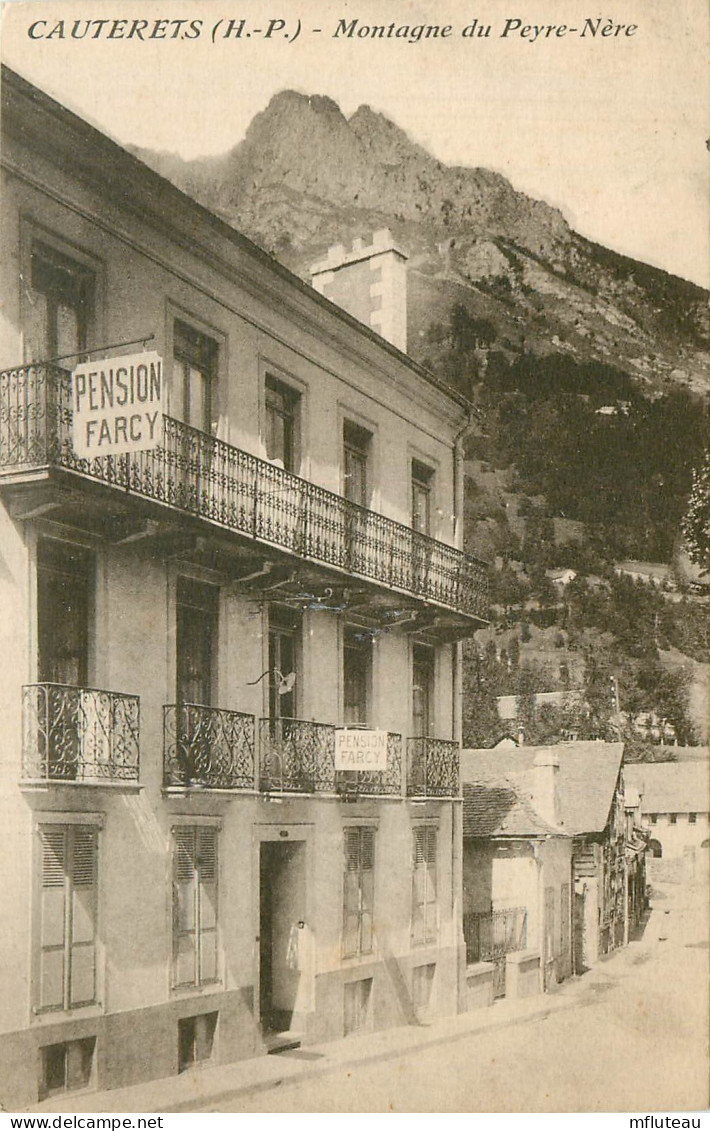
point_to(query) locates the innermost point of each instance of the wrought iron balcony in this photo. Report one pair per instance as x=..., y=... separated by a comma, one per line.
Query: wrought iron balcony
x=79, y=734
x=491, y=935
x=432, y=768
x=298, y=756
x=206, y=746
x=196, y=474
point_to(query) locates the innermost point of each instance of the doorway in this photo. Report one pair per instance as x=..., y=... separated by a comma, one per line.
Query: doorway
x=285, y=953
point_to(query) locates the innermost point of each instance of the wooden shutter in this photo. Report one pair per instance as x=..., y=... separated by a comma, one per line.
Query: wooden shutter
x=82, y=944
x=367, y=887
x=53, y=917
x=424, y=900
x=351, y=893
x=431, y=912
x=185, y=907
x=207, y=872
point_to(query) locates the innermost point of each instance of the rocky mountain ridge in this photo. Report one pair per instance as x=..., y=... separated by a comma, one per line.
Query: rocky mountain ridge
x=305, y=176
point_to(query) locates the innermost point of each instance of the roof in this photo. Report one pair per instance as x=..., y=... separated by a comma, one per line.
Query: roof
x=499, y=810
x=586, y=784
x=671, y=787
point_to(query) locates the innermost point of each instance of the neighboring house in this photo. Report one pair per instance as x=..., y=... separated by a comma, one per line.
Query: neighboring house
x=637, y=837
x=675, y=805
x=517, y=880
x=587, y=782
x=207, y=851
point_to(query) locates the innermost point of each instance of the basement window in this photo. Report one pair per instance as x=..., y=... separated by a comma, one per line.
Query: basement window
x=358, y=996
x=66, y=1067
x=196, y=1039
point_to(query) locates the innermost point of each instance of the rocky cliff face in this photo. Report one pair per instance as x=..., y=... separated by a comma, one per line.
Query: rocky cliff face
x=305, y=177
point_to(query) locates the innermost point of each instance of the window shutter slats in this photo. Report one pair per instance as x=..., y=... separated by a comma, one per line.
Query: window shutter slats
x=352, y=850
x=53, y=857
x=207, y=856
x=184, y=855
x=367, y=849
x=83, y=857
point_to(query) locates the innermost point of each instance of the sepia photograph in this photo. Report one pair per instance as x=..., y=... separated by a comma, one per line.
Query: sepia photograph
x=354, y=559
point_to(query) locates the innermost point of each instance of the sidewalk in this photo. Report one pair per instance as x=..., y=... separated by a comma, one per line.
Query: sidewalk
x=201, y=1087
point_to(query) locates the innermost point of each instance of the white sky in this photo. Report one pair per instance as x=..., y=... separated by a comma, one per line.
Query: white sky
x=610, y=130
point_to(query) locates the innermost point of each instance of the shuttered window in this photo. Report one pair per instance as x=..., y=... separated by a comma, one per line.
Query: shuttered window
x=424, y=903
x=195, y=905
x=359, y=891
x=68, y=903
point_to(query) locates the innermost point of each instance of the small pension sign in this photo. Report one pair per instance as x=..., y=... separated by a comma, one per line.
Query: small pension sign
x=117, y=405
x=361, y=750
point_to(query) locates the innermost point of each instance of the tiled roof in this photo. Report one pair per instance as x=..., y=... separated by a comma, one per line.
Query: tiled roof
x=671, y=787
x=498, y=810
x=586, y=783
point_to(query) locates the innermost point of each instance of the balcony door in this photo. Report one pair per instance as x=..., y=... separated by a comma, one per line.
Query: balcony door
x=63, y=584
x=284, y=633
x=357, y=674
x=57, y=318
x=422, y=690
x=194, y=371
x=196, y=648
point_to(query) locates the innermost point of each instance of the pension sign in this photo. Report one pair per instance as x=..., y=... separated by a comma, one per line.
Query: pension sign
x=117, y=405
x=361, y=750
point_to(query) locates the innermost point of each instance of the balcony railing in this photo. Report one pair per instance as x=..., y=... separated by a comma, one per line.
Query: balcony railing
x=298, y=756
x=202, y=476
x=205, y=746
x=491, y=935
x=79, y=734
x=432, y=767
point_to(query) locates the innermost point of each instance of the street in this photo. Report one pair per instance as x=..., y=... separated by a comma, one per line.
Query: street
x=632, y=1037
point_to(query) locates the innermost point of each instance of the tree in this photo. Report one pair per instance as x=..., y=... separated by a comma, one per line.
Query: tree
x=696, y=523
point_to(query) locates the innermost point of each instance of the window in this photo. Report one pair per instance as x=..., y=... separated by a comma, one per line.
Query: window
x=62, y=299
x=422, y=690
x=68, y=906
x=357, y=670
x=357, y=1005
x=194, y=372
x=422, y=482
x=195, y=905
x=673, y=818
x=359, y=891
x=64, y=576
x=692, y=818
x=284, y=636
x=196, y=1039
x=67, y=1066
x=196, y=640
x=356, y=450
x=281, y=423
x=424, y=905
x=654, y=818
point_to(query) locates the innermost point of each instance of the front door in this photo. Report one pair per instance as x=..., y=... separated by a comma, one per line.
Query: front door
x=286, y=973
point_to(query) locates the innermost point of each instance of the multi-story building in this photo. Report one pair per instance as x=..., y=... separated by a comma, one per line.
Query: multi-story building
x=200, y=638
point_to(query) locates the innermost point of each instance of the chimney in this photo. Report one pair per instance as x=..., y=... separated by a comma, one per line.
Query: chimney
x=545, y=785
x=370, y=282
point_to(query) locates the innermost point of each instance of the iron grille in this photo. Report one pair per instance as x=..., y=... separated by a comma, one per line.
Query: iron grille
x=79, y=734
x=200, y=475
x=432, y=767
x=296, y=756
x=491, y=935
x=206, y=746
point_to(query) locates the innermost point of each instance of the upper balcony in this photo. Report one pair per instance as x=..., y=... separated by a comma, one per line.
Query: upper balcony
x=277, y=516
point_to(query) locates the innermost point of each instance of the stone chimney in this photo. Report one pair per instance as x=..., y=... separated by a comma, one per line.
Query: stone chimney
x=545, y=785
x=370, y=282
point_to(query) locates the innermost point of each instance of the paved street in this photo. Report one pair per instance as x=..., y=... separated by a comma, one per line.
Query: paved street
x=633, y=1039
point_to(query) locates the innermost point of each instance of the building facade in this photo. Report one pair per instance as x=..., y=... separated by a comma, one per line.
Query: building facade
x=205, y=639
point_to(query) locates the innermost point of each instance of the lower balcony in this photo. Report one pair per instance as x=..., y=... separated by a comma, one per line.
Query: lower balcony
x=207, y=747
x=490, y=935
x=79, y=734
x=298, y=756
x=432, y=768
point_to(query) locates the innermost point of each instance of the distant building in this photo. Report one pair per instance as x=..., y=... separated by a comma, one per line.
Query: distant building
x=650, y=573
x=675, y=806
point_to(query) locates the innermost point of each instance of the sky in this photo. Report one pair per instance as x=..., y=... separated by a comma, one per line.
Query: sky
x=609, y=128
